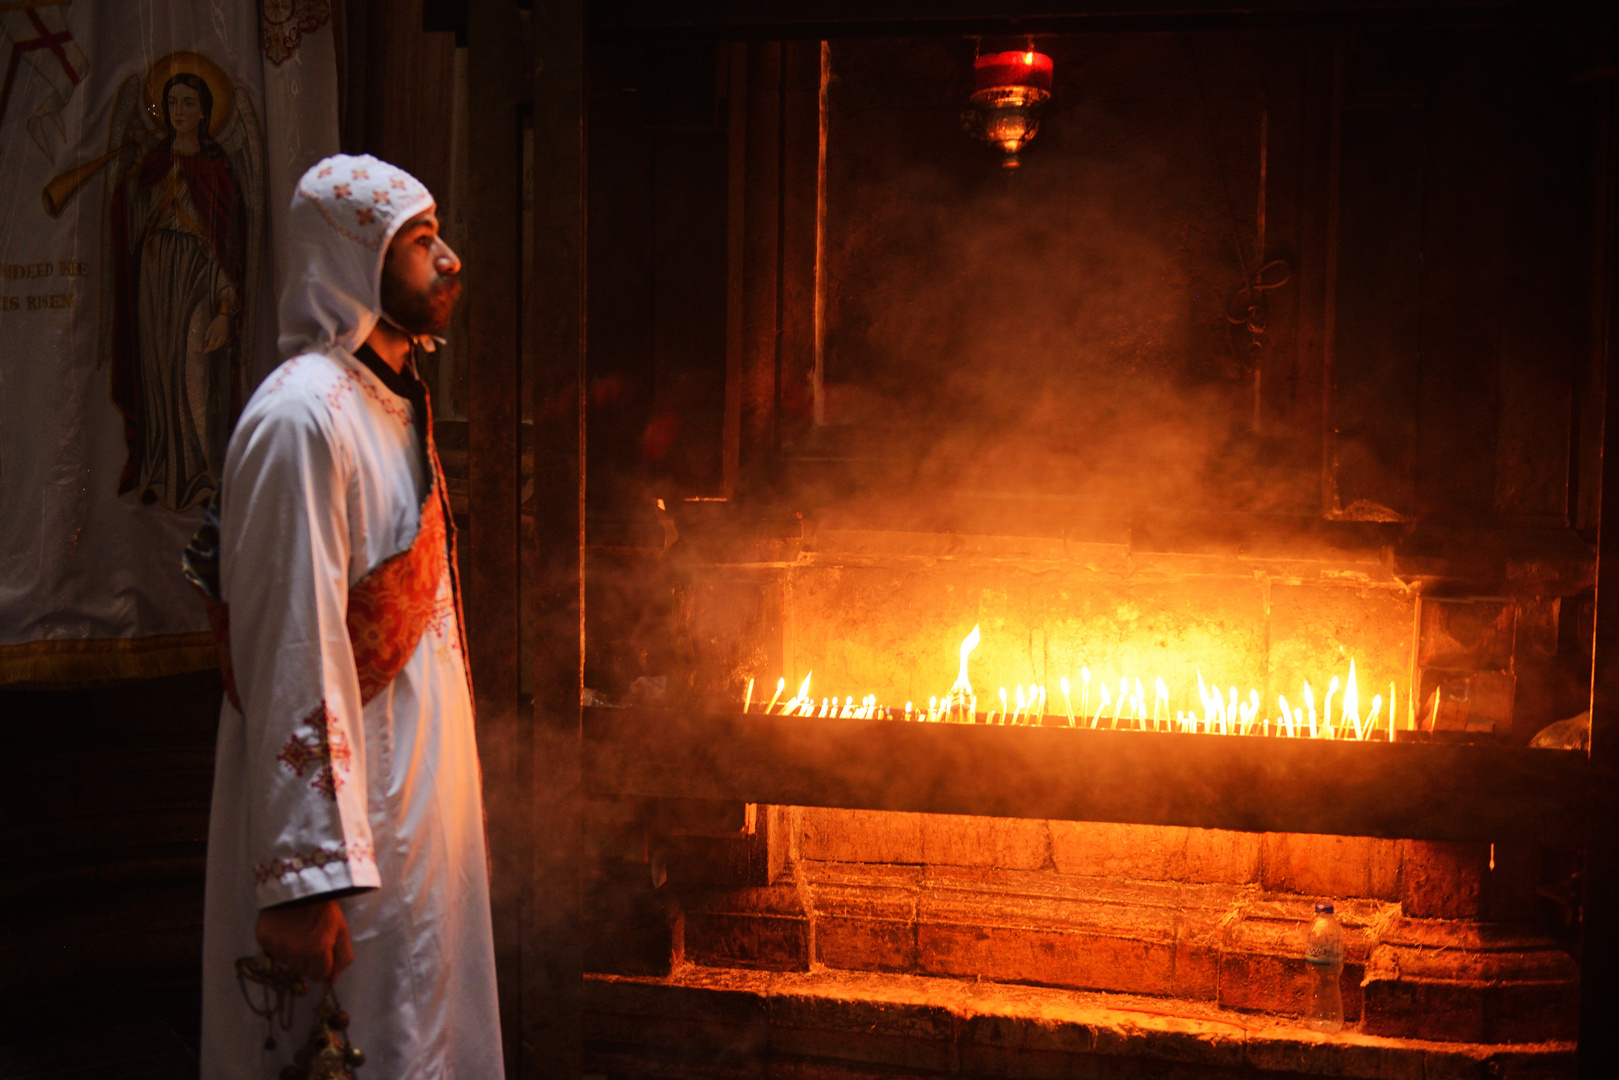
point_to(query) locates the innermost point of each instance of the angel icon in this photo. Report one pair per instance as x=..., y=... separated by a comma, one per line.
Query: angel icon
x=182, y=237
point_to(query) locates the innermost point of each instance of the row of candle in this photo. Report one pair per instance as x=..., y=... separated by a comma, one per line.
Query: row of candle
x=1222, y=713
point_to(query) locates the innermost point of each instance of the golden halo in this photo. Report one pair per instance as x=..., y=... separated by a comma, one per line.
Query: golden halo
x=193, y=63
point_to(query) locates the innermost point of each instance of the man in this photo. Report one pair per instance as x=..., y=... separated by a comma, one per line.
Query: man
x=346, y=836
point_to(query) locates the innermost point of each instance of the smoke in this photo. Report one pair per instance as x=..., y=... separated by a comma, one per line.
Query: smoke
x=1060, y=330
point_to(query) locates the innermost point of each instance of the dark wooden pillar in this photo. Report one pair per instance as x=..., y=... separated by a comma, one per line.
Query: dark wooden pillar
x=552, y=945
x=759, y=298
x=1599, y=951
x=497, y=73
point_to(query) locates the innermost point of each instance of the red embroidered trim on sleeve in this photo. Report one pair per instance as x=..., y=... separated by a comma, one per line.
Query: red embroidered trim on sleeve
x=319, y=744
x=279, y=868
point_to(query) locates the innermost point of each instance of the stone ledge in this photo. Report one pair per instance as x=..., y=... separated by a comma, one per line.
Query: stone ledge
x=1233, y=946
x=756, y=1024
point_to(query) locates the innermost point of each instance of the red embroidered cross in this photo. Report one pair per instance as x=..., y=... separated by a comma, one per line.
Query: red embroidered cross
x=379, y=196
x=325, y=750
x=48, y=40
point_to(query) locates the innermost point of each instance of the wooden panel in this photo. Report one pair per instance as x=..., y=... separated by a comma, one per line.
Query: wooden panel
x=496, y=75
x=800, y=151
x=1599, y=946
x=1419, y=791
x=1377, y=301
x=406, y=100
x=689, y=301
x=761, y=255
x=552, y=946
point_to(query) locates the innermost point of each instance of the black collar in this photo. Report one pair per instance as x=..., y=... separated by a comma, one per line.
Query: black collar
x=401, y=382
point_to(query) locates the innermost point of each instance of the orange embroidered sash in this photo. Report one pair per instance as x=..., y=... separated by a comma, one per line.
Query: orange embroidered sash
x=389, y=608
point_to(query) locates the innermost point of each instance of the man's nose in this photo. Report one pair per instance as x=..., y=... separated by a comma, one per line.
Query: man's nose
x=447, y=262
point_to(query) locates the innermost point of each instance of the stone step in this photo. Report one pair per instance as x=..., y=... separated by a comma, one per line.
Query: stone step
x=820, y=1025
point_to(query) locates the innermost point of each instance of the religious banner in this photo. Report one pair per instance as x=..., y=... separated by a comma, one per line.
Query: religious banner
x=148, y=151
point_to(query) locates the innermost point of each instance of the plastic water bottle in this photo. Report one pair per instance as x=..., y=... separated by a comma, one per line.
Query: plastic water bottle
x=1324, y=958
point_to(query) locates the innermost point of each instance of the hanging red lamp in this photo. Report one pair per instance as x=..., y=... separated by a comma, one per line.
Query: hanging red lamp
x=1010, y=88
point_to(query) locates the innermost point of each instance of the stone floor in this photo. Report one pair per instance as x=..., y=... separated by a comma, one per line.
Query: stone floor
x=860, y=1026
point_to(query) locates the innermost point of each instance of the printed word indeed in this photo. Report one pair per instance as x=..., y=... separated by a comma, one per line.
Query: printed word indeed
x=59, y=267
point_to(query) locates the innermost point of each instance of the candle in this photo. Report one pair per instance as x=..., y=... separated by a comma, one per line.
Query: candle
x=1022, y=68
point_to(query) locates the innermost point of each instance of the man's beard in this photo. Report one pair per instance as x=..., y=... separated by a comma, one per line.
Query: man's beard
x=420, y=313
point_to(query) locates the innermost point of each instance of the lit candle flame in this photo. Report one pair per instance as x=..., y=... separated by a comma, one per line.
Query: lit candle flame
x=1224, y=710
x=968, y=644
x=1351, y=707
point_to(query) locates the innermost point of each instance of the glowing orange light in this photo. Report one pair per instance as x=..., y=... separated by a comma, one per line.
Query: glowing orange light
x=1225, y=711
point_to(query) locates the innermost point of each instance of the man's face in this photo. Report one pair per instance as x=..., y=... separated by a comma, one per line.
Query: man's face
x=420, y=277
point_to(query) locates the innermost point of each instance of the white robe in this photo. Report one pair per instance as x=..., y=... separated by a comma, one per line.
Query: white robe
x=313, y=792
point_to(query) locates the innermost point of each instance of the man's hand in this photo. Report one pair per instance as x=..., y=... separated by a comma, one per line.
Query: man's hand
x=310, y=939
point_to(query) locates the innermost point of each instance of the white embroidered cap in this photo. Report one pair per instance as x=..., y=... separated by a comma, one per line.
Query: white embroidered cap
x=363, y=198
x=344, y=213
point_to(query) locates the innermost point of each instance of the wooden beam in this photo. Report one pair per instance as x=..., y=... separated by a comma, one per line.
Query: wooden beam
x=553, y=965
x=1400, y=790
x=496, y=76
x=813, y=19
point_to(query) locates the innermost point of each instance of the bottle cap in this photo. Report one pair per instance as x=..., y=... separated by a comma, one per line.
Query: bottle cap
x=1323, y=907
